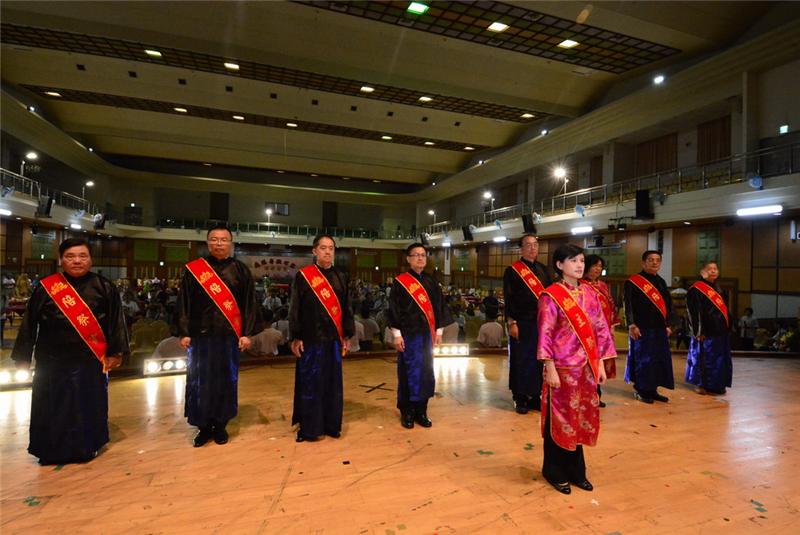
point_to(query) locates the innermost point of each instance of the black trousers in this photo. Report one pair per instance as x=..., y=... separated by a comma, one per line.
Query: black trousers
x=560, y=465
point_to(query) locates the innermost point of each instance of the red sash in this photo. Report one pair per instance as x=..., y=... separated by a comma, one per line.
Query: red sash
x=218, y=291
x=651, y=292
x=579, y=323
x=324, y=292
x=608, y=310
x=714, y=296
x=420, y=296
x=528, y=277
x=78, y=313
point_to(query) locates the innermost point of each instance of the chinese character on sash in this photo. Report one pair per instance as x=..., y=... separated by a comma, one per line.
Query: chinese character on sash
x=334, y=310
x=325, y=293
x=204, y=276
x=648, y=287
x=83, y=319
x=215, y=288
x=413, y=288
x=316, y=281
x=57, y=287
x=68, y=301
x=228, y=304
x=569, y=304
x=656, y=297
x=423, y=299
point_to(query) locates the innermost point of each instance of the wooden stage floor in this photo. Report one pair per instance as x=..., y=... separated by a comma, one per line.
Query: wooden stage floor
x=698, y=464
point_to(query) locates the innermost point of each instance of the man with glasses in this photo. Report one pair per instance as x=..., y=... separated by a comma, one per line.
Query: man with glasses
x=417, y=317
x=523, y=283
x=215, y=316
x=75, y=326
x=647, y=311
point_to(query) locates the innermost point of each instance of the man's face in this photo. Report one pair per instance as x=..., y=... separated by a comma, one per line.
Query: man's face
x=710, y=272
x=76, y=261
x=324, y=252
x=652, y=264
x=220, y=243
x=530, y=248
x=417, y=258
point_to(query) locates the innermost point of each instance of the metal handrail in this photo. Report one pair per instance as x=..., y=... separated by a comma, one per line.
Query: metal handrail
x=12, y=182
x=766, y=162
x=278, y=229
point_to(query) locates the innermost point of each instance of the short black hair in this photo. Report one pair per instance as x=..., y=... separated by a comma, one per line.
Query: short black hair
x=528, y=235
x=565, y=252
x=748, y=308
x=706, y=263
x=70, y=243
x=266, y=315
x=319, y=237
x=593, y=259
x=413, y=246
x=219, y=226
x=649, y=252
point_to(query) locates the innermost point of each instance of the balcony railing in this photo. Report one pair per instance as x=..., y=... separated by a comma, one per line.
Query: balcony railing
x=767, y=162
x=12, y=182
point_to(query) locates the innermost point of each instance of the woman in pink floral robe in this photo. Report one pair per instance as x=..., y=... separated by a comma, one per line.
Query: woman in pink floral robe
x=570, y=414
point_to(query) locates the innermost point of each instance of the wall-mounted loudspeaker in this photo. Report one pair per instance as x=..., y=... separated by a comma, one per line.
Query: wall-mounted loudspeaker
x=467, y=233
x=643, y=210
x=423, y=239
x=528, y=225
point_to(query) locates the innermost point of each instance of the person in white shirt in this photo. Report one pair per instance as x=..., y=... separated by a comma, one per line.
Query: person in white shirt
x=371, y=328
x=450, y=333
x=267, y=341
x=353, y=342
x=491, y=334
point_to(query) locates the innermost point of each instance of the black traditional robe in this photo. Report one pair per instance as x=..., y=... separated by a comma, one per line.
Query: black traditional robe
x=69, y=403
x=708, y=362
x=318, y=392
x=212, y=372
x=415, y=377
x=521, y=305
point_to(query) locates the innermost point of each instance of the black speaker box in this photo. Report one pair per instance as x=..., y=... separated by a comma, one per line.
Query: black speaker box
x=528, y=225
x=643, y=210
x=467, y=233
x=423, y=240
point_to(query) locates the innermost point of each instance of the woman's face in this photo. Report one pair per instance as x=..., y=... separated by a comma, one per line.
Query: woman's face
x=594, y=271
x=572, y=267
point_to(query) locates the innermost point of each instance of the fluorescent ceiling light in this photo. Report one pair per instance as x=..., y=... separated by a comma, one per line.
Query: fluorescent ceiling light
x=659, y=79
x=377, y=181
x=291, y=125
x=367, y=89
x=386, y=138
x=239, y=117
x=446, y=244
x=783, y=129
x=425, y=99
x=527, y=116
x=497, y=27
x=687, y=222
x=499, y=239
x=469, y=148
x=345, y=178
x=74, y=226
x=429, y=143
x=52, y=93
x=417, y=8
x=568, y=43
x=581, y=230
x=152, y=53
x=3, y=211
x=181, y=110
x=773, y=209
x=231, y=66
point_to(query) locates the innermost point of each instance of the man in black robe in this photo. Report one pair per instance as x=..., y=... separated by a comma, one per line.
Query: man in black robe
x=649, y=356
x=318, y=395
x=412, y=339
x=212, y=372
x=525, y=371
x=69, y=402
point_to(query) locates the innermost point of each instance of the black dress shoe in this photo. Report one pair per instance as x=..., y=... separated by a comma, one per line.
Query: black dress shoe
x=423, y=420
x=585, y=485
x=302, y=438
x=407, y=420
x=563, y=488
x=335, y=434
x=534, y=404
x=642, y=398
x=602, y=404
x=659, y=397
x=521, y=408
x=202, y=437
x=220, y=436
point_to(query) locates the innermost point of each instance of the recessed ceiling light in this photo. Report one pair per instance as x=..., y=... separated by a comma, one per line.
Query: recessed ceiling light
x=152, y=53
x=527, y=116
x=386, y=138
x=91, y=149
x=280, y=171
x=30, y=155
x=568, y=43
x=659, y=79
x=207, y=164
x=52, y=93
x=430, y=143
x=239, y=117
x=367, y=89
x=314, y=174
x=544, y=132
x=687, y=222
x=180, y=110
x=433, y=183
x=783, y=129
x=417, y=8
x=345, y=178
x=425, y=99
x=291, y=125
x=231, y=66
x=497, y=27
x=469, y=148
x=377, y=181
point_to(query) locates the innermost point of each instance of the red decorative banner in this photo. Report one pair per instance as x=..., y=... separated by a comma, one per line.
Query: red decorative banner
x=651, y=292
x=324, y=292
x=715, y=298
x=218, y=291
x=420, y=296
x=579, y=323
x=78, y=313
x=529, y=278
